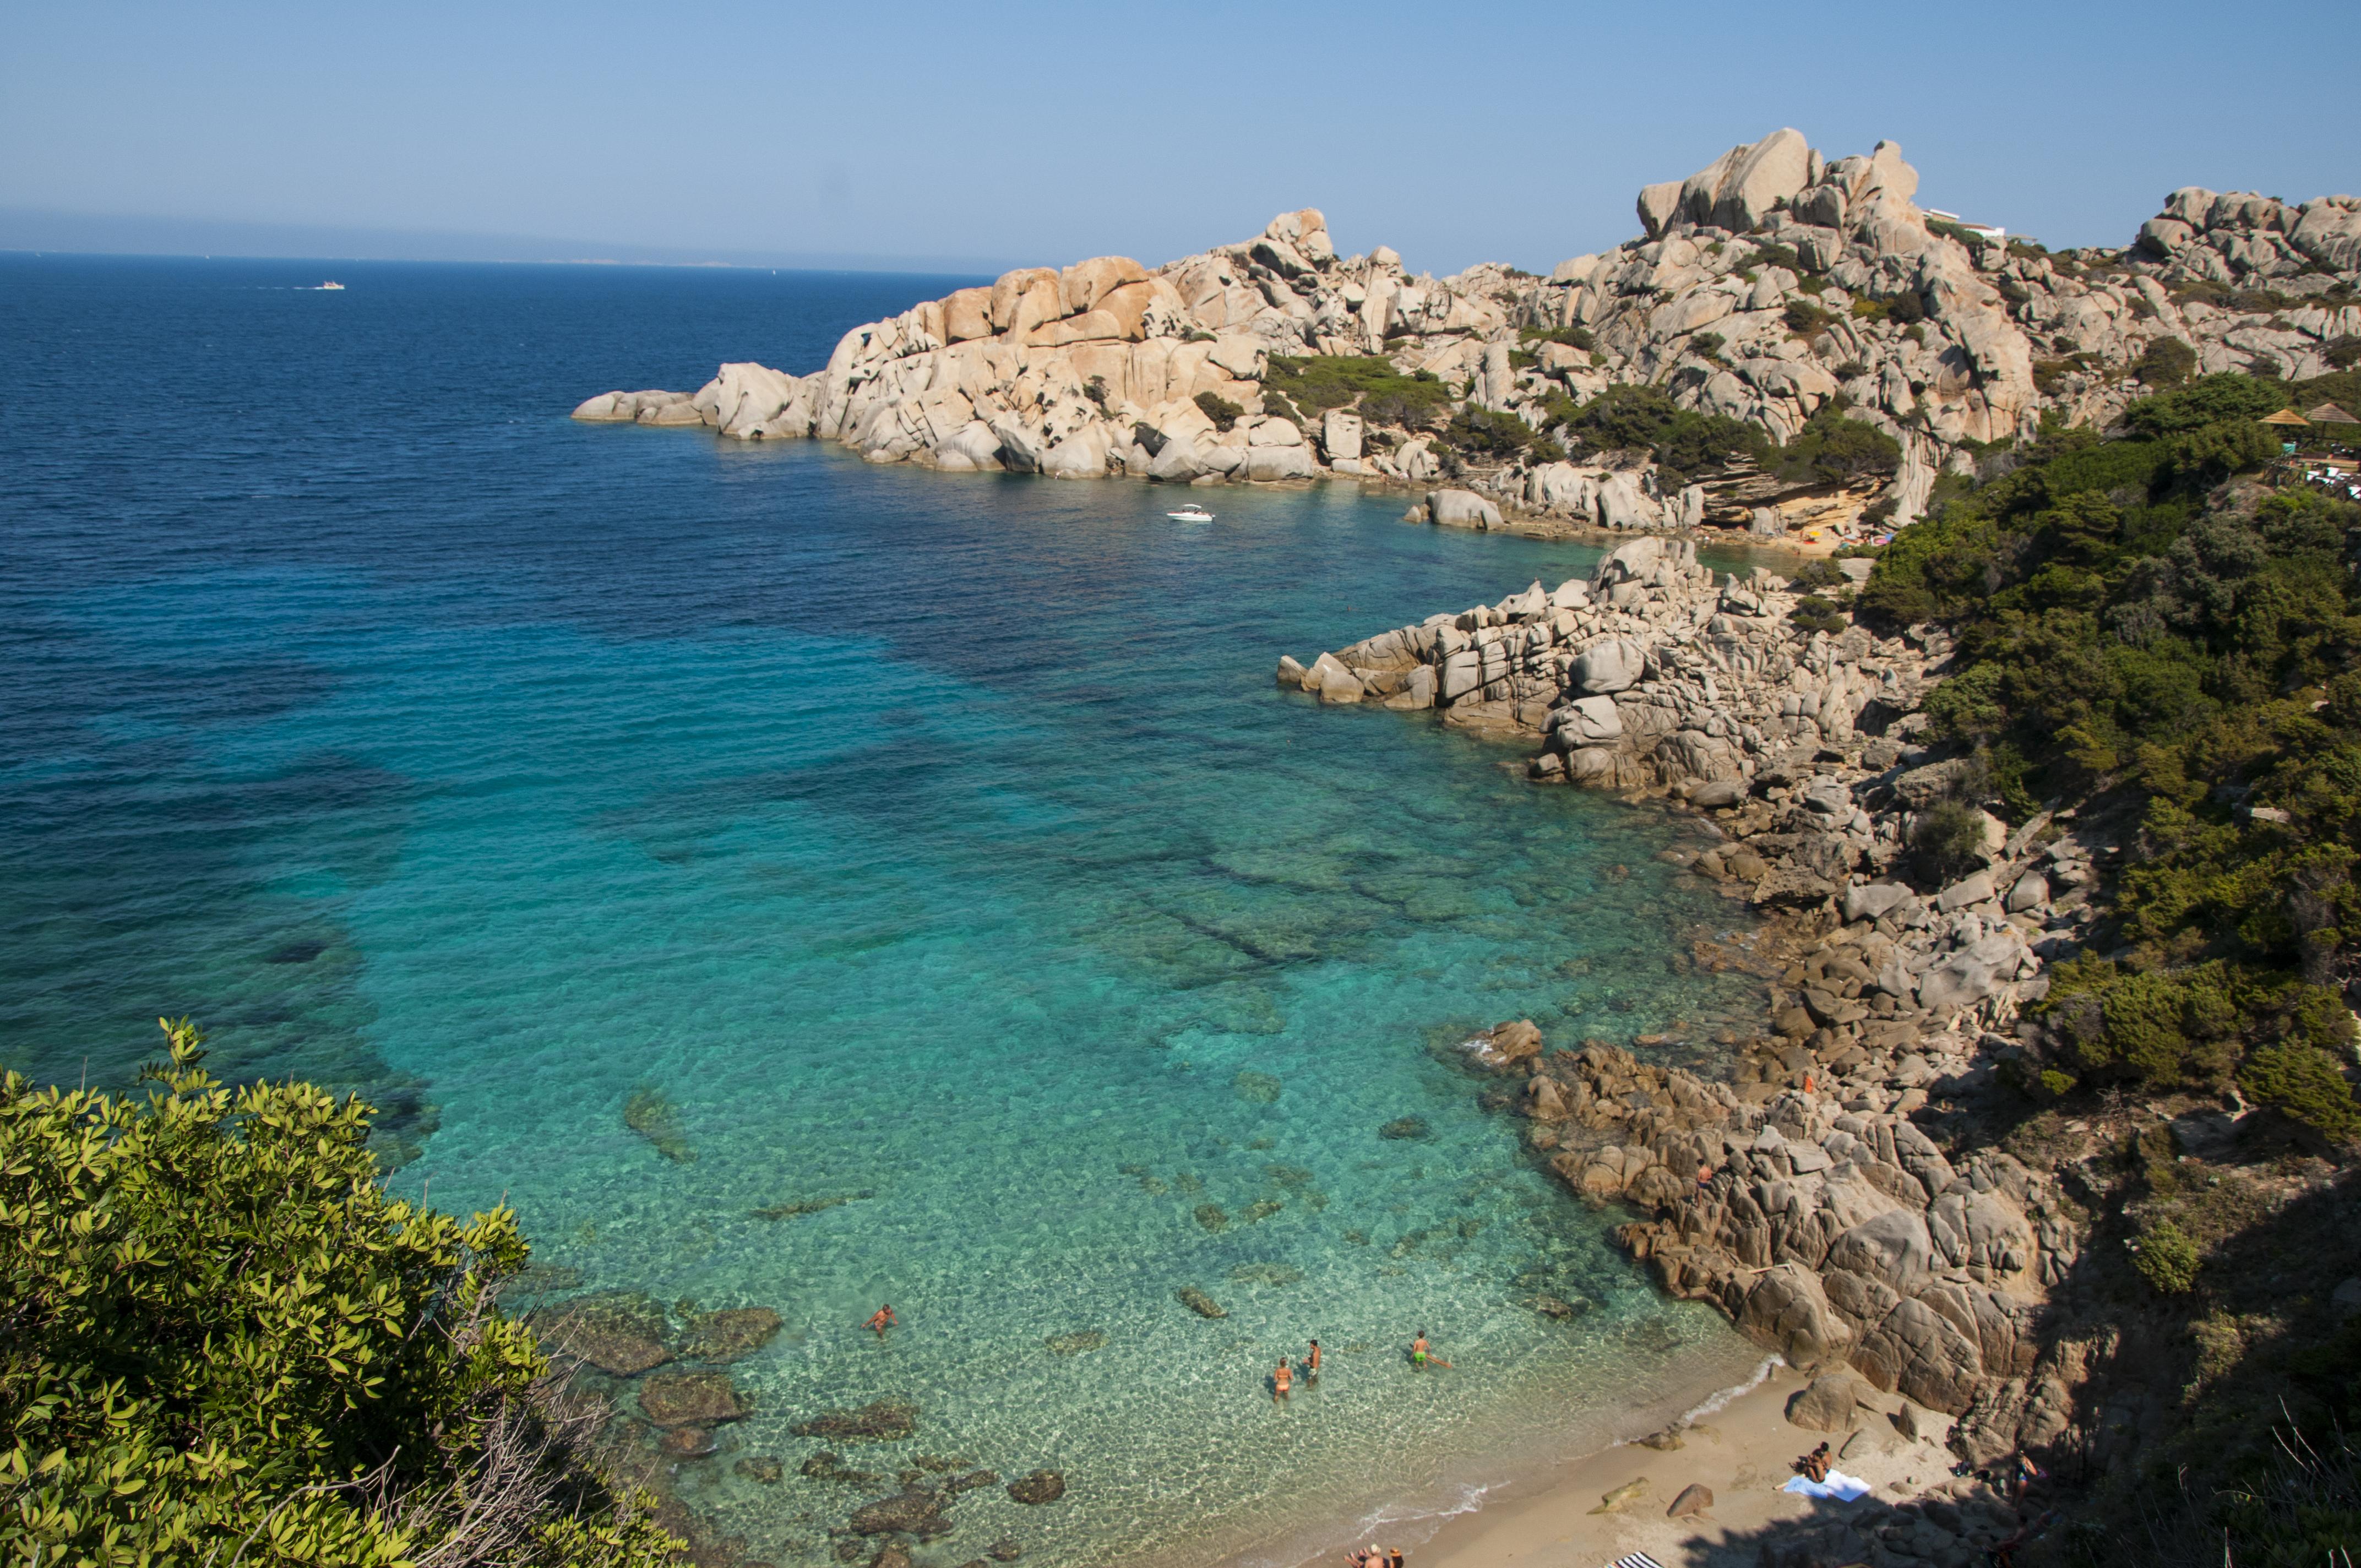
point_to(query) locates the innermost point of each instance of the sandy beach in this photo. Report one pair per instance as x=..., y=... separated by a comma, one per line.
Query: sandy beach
x=1593, y=1510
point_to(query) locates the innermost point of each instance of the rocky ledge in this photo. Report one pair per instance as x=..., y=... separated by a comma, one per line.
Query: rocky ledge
x=1833, y=1198
x=1769, y=287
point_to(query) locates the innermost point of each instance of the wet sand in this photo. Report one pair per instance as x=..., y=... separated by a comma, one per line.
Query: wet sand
x=1743, y=1453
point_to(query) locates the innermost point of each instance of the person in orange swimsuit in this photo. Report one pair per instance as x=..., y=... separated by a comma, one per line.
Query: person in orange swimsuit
x=1281, y=1380
x=884, y=1319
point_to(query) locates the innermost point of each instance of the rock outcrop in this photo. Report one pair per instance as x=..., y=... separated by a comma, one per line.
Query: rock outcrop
x=1803, y=1196
x=1764, y=287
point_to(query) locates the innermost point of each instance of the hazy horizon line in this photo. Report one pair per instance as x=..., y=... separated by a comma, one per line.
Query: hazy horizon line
x=57, y=231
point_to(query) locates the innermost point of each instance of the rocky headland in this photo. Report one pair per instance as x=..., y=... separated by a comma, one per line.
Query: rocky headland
x=1772, y=287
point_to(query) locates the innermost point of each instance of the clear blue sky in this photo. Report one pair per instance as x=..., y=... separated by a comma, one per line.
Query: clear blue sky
x=984, y=133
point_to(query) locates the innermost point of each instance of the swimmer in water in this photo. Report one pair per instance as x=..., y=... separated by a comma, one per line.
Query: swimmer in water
x=884, y=1319
x=1312, y=1364
x=1420, y=1357
x=1281, y=1380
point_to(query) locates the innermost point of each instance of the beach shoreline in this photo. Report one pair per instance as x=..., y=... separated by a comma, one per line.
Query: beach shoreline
x=1459, y=1514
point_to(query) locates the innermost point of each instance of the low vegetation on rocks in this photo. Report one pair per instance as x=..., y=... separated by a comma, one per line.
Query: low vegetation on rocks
x=2132, y=623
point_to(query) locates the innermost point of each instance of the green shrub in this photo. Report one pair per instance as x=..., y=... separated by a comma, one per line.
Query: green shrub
x=1225, y=413
x=2166, y=362
x=1572, y=336
x=2344, y=352
x=221, y=1337
x=1382, y=394
x=1490, y=432
x=1833, y=449
x=1949, y=838
x=1708, y=344
x=2167, y=1258
x=1685, y=443
x=1807, y=320
x=1813, y=613
x=1771, y=253
x=2304, y=1082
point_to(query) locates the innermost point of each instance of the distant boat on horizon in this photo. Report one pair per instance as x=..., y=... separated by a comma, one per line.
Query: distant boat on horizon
x=332, y=284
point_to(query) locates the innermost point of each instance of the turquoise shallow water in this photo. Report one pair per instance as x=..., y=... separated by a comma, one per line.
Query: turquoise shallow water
x=938, y=840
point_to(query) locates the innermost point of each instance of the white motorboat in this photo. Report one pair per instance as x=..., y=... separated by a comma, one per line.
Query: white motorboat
x=330, y=285
x=1192, y=512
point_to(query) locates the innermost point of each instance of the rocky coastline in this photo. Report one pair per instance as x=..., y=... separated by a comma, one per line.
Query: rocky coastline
x=1839, y=1196
x=1774, y=286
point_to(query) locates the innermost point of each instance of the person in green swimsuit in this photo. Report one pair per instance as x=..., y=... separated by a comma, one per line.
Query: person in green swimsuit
x=1419, y=1354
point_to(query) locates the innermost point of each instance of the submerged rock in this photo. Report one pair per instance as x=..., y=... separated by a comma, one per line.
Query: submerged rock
x=1406, y=1127
x=882, y=1421
x=806, y=1206
x=1197, y=1302
x=730, y=1336
x=827, y=1467
x=689, y=1442
x=1041, y=1486
x=657, y=1119
x=1076, y=1343
x=1212, y=1217
x=914, y=1512
x=760, y=1468
x=690, y=1398
x=1258, y=1088
x=619, y=1332
x=971, y=1481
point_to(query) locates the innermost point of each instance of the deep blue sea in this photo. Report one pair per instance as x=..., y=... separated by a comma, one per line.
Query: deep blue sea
x=937, y=842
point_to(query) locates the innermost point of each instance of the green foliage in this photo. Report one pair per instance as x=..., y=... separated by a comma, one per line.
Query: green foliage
x=1225, y=413
x=1832, y=449
x=1383, y=395
x=2168, y=1259
x=2345, y=352
x=2119, y=630
x=2166, y=362
x=221, y=1340
x=1685, y=443
x=1813, y=613
x=1572, y=336
x=1771, y=253
x=1709, y=343
x=1949, y=838
x=1489, y=432
x=1805, y=319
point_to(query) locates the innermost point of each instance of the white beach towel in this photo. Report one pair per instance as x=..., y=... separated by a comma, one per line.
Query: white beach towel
x=1637, y=1560
x=1844, y=1488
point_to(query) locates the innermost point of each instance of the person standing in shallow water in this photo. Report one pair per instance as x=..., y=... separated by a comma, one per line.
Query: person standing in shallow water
x=1311, y=1364
x=883, y=1319
x=1281, y=1380
x=1420, y=1357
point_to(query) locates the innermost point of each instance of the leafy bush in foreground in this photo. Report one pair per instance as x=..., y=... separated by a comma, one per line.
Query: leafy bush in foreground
x=222, y=1341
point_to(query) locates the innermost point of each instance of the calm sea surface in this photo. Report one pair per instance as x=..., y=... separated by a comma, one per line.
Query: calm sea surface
x=938, y=843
